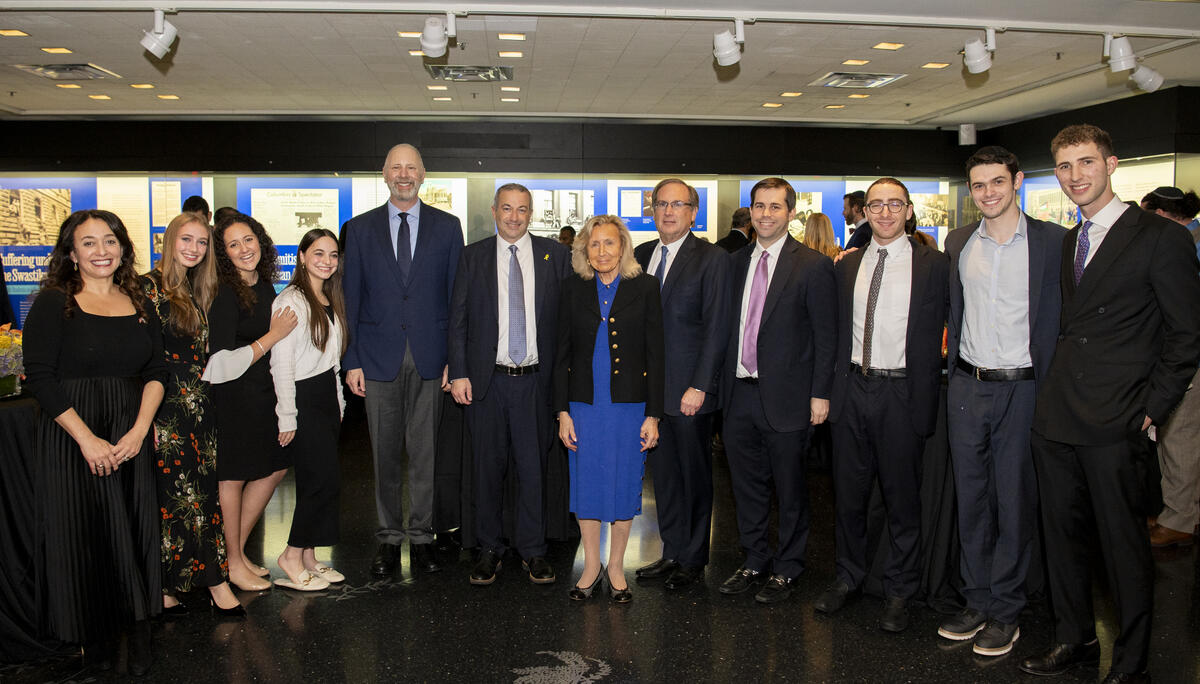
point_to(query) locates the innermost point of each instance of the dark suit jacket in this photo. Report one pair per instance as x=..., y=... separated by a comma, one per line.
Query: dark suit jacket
x=695, y=301
x=796, y=334
x=733, y=242
x=474, y=326
x=1129, y=336
x=860, y=238
x=1045, y=294
x=923, y=339
x=636, y=343
x=384, y=313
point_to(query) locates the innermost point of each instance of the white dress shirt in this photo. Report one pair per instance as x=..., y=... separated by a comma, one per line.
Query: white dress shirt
x=773, y=253
x=1102, y=222
x=295, y=358
x=656, y=256
x=890, y=335
x=525, y=259
x=995, y=284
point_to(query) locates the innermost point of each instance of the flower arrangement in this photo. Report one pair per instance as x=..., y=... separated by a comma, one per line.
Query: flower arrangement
x=12, y=360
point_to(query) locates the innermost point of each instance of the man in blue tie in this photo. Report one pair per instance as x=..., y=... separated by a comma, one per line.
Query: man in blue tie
x=502, y=338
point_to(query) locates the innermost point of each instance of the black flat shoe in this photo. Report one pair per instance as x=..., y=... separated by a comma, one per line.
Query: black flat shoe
x=176, y=611
x=579, y=593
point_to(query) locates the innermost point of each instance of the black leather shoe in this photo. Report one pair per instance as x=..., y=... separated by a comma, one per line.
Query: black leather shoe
x=778, y=588
x=683, y=576
x=834, y=597
x=963, y=626
x=448, y=541
x=1127, y=678
x=741, y=581
x=895, y=615
x=1062, y=657
x=421, y=557
x=484, y=572
x=387, y=558
x=663, y=567
x=539, y=570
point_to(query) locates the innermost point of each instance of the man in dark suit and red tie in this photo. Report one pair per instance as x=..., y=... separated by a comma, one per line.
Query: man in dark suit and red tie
x=780, y=352
x=1128, y=344
x=503, y=323
x=891, y=313
x=1004, y=307
x=694, y=279
x=400, y=263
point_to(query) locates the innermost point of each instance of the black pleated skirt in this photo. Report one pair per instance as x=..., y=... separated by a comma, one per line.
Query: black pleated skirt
x=98, y=541
x=247, y=428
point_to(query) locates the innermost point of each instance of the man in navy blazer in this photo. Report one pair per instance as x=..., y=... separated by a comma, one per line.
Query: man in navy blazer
x=506, y=288
x=782, y=325
x=400, y=263
x=693, y=278
x=1003, y=324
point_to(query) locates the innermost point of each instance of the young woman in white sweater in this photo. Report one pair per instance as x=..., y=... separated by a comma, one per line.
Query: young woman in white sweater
x=310, y=405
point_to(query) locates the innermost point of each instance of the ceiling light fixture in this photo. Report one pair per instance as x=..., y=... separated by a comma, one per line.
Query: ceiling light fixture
x=437, y=35
x=1119, y=53
x=442, y=99
x=935, y=65
x=727, y=47
x=168, y=97
x=511, y=36
x=437, y=87
x=68, y=85
x=409, y=34
x=772, y=105
x=887, y=46
x=856, y=62
x=415, y=53
x=100, y=97
x=158, y=41
x=1147, y=79
x=13, y=33
x=977, y=55
x=835, y=106
x=57, y=51
x=859, y=96
x=790, y=94
x=511, y=89
x=510, y=99
x=141, y=86
x=510, y=54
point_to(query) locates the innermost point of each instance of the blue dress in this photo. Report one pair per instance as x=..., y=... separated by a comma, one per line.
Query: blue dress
x=608, y=463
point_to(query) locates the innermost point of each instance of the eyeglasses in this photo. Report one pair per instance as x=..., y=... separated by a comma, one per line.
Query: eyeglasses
x=676, y=205
x=895, y=206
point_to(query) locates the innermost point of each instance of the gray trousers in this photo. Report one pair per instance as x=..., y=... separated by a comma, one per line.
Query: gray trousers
x=403, y=415
x=1179, y=460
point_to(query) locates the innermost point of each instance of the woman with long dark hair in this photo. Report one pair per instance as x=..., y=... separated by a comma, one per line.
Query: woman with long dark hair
x=181, y=289
x=242, y=331
x=94, y=361
x=310, y=405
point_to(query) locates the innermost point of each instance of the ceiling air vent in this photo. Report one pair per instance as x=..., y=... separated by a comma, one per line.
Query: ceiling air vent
x=462, y=73
x=67, y=72
x=839, y=79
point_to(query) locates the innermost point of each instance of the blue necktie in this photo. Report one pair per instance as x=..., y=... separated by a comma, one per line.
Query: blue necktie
x=404, y=247
x=516, y=309
x=661, y=271
x=1081, y=253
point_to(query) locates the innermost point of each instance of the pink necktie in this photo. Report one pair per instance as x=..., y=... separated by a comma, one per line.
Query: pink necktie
x=758, y=294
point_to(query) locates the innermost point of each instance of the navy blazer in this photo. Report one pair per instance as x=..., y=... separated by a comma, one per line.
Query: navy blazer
x=1045, y=295
x=384, y=314
x=796, y=335
x=923, y=336
x=1129, y=336
x=695, y=303
x=474, y=311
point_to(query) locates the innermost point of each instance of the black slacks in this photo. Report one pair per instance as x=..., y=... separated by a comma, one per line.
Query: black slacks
x=683, y=487
x=314, y=454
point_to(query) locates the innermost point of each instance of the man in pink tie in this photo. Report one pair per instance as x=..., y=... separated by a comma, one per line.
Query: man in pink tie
x=781, y=350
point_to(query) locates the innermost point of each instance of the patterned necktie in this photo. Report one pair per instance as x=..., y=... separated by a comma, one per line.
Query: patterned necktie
x=516, y=309
x=754, y=309
x=404, y=247
x=872, y=301
x=1082, y=252
x=661, y=271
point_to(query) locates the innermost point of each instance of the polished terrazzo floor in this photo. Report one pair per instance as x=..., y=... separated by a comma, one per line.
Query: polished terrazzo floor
x=438, y=628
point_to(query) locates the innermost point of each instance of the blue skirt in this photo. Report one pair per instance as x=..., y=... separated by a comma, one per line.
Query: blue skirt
x=608, y=464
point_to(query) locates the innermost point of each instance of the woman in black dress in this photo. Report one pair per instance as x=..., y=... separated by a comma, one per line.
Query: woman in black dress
x=181, y=289
x=242, y=330
x=94, y=361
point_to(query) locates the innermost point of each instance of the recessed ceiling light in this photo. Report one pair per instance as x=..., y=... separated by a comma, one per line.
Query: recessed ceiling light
x=416, y=53
x=168, y=97
x=57, y=51
x=790, y=94
x=409, y=34
x=856, y=62
x=436, y=87
x=510, y=99
x=772, y=105
x=935, y=65
x=859, y=96
x=100, y=97
x=511, y=36
x=835, y=106
x=13, y=33
x=68, y=85
x=887, y=46
x=511, y=89
x=509, y=53
x=442, y=99
x=141, y=86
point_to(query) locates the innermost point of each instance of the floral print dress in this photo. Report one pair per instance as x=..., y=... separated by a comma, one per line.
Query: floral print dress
x=185, y=445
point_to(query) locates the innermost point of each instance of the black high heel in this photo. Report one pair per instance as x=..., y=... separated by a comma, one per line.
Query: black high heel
x=579, y=593
x=238, y=611
x=619, y=595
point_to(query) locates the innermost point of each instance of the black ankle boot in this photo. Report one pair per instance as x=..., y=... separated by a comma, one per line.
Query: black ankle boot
x=139, y=648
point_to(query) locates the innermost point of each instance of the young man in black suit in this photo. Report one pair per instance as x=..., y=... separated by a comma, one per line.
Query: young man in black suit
x=503, y=325
x=1127, y=347
x=780, y=352
x=891, y=313
x=1004, y=307
x=694, y=277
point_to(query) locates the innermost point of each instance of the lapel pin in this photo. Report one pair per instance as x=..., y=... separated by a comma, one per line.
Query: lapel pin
x=546, y=256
